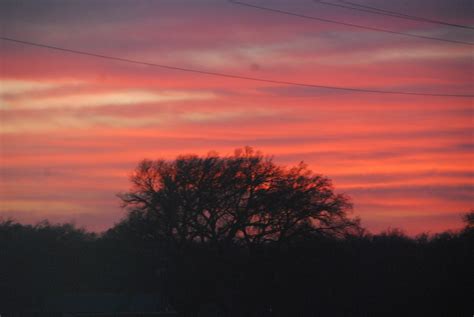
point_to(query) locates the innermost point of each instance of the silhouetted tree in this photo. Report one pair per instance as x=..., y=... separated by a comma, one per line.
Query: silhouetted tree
x=468, y=219
x=244, y=199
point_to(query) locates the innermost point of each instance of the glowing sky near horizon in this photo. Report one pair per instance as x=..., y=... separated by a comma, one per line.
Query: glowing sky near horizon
x=74, y=127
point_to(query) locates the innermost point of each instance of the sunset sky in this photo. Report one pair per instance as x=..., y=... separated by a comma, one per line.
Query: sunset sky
x=74, y=127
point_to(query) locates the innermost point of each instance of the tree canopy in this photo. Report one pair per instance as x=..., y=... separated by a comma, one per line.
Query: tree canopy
x=244, y=198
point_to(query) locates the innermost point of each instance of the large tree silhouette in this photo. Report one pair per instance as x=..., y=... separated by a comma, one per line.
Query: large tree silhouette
x=244, y=199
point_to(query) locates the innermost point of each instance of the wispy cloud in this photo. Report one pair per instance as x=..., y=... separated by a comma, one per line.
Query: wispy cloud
x=110, y=98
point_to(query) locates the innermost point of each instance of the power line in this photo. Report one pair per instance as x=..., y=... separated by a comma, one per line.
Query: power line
x=375, y=10
x=346, y=23
x=227, y=75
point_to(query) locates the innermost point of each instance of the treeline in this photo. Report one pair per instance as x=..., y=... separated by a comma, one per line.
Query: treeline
x=355, y=275
x=240, y=236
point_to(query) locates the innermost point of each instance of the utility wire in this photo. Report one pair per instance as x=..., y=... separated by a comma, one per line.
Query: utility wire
x=227, y=75
x=375, y=10
x=346, y=23
x=372, y=11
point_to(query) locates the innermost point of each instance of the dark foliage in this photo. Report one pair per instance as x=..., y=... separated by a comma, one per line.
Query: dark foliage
x=358, y=275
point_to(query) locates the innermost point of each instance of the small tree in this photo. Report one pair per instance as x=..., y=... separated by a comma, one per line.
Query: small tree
x=468, y=219
x=244, y=199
